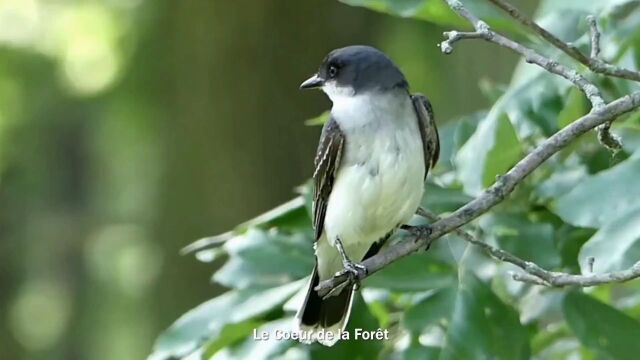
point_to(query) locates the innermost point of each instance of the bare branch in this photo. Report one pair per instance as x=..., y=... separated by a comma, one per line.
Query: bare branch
x=453, y=36
x=569, y=49
x=595, y=36
x=594, y=63
x=482, y=31
x=559, y=279
x=497, y=192
x=534, y=274
x=612, y=142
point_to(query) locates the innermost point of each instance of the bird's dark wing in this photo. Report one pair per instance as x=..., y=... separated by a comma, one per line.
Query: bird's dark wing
x=428, y=131
x=327, y=163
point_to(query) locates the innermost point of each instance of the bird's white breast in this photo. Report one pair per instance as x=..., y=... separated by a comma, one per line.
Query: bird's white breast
x=380, y=181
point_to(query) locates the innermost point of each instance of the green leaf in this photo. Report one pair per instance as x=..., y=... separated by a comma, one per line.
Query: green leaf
x=291, y=215
x=601, y=198
x=490, y=151
x=256, y=302
x=207, y=321
x=454, y=134
x=505, y=152
x=522, y=237
x=435, y=308
x=441, y=200
x=413, y=273
x=602, y=327
x=361, y=318
x=415, y=351
x=437, y=11
x=482, y=327
x=261, y=349
x=616, y=246
x=190, y=330
x=251, y=259
x=590, y=7
x=318, y=120
x=230, y=334
x=575, y=106
x=533, y=100
x=561, y=182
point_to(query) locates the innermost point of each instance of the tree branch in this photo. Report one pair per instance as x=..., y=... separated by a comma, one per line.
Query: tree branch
x=535, y=274
x=605, y=137
x=594, y=63
x=612, y=142
x=595, y=36
x=482, y=31
x=600, y=114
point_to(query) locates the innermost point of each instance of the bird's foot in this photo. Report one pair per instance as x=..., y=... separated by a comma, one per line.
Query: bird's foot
x=354, y=272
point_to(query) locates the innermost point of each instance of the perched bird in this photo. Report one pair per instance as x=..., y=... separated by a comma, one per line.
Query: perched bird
x=370, y=168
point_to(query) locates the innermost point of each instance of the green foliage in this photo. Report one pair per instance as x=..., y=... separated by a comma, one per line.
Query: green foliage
x=436, y=11
x=453, y=302
x=482, y=326
x=601, y=327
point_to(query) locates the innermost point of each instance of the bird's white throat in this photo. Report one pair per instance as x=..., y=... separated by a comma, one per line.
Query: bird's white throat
x=371, y=108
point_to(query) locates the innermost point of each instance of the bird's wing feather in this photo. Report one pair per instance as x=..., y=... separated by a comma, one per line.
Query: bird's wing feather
x=428, y=131
x=327, y=163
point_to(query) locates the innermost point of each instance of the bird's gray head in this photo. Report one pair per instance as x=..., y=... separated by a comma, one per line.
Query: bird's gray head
x=354, y=70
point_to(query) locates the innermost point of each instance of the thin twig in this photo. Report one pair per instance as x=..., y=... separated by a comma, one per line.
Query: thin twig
x=537, y=275
x=594, y=63
x=612, y=142
x=595, y=36
x=482, y=31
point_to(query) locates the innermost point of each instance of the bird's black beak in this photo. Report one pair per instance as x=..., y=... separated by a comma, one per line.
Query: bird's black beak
x=313, y=82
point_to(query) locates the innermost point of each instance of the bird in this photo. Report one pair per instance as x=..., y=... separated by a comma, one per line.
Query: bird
x=372, y=160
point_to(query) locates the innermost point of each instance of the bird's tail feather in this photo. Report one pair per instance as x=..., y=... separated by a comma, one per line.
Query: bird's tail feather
x=330, y=315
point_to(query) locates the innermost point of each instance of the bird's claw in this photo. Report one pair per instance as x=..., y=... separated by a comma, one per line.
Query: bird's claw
x=354, y=271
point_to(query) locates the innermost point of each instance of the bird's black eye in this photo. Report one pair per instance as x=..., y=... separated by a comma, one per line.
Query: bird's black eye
x=333, y=71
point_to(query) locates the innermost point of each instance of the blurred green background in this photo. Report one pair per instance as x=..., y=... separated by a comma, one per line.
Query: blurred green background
x=130, y=128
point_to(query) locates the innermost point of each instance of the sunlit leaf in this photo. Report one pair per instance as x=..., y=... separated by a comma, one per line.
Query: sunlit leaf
x=523, y=237
x=251, y=259
x=616, y=246
x=437, y=11
x=575, y=106
x=192, y=328
x=318, y=120
x=263, y=348
x=230, y=334
x=603, y=197
x=208, y=321
x=492, y=150
x=288, y=216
